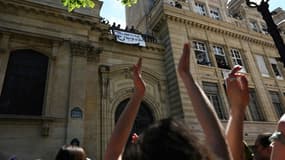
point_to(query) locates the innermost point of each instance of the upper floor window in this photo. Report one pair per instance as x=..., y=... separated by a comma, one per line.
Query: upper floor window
x=275, y=68
x=277, y=103
x=24, y=84
x=262, y=66
x=215, y=13
x=253, y=25
x=264, y=28
x=237, y=59
x=201, y=53
x=212, y=91
x=220, y=57
x=200, y=9
x=254, y=108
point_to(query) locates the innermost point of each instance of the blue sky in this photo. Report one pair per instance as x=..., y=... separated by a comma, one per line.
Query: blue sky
x=114, y=11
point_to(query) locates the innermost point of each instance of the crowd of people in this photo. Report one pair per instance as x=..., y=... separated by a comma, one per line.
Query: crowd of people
x=170, y=139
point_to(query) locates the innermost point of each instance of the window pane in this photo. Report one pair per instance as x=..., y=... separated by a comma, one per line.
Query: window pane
x=201, y=53
x=24, y=84
x=237, y=59
x=215, y=13
x=200, y=8
x=211, y=90
x=220, y=57
x=277, y=103
x=261, y=66
x=254, y=108
x=253, y=25
x=275, y=68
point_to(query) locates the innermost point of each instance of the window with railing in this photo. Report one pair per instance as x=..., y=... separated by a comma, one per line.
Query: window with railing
x=237, y=59
x=276, y=103
x=201, y=53
x=220, y=57
x=200, y=9
x=212, y=91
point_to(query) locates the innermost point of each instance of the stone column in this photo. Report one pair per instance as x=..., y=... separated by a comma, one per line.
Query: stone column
x=77, y=91
x=261, y=90
x=104, y=92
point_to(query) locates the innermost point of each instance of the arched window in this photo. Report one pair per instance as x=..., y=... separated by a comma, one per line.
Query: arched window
x=24, y=85
x=144, y=117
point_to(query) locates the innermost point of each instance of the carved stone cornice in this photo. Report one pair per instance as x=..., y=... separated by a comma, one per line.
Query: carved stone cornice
x=39, y=9
x=192, y=19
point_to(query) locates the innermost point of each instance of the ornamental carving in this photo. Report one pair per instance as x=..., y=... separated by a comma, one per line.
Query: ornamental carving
x=80, y=49
x=93, y=54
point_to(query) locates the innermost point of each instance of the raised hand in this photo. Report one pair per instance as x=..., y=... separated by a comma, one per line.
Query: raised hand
x=139, y=85
x=126, y=120
x=238, y=96
x=183, y=66
x=203, y=108
x=237, y=89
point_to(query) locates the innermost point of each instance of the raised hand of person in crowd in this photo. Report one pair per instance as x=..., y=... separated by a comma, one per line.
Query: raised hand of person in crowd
x=125, y=122
x=203, y=108
x=139, y=84
x=238, y=96
x=183, y=66
x=237, y=90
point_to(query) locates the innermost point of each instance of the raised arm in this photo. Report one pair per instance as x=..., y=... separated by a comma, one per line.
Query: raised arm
x=238, y=96
x=203, y=109
x=124, y=125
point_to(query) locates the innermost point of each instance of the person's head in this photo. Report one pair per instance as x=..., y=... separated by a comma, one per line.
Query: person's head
x=168, y=140
x=278, y=141
x=75, y=142
x=262, y=148
x=69, y=152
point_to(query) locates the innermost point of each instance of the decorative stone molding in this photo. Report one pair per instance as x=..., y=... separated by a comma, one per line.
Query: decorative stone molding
x=105, y=79
x=84, y=49
x=80, y=49
x=242, y=33
x=93, y=54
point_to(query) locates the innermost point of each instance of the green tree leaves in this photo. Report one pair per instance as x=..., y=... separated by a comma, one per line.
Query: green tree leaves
x=129, y=3
x=73, y=4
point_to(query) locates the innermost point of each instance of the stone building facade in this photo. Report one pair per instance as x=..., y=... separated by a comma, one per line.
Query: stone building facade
x=64, y=75
x=222, y=34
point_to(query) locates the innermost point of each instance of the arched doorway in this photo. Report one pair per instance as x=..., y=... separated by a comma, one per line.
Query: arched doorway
x=24, y=84
x=144, y=117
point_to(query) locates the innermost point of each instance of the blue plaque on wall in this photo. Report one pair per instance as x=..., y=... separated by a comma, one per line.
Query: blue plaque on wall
x=77, y=113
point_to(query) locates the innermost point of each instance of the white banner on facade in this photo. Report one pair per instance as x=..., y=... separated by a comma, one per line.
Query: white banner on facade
x=129, y=38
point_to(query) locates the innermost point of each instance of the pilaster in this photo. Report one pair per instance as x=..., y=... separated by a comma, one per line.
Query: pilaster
x=77, y=91
x=104, y=92
x=261, y=91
